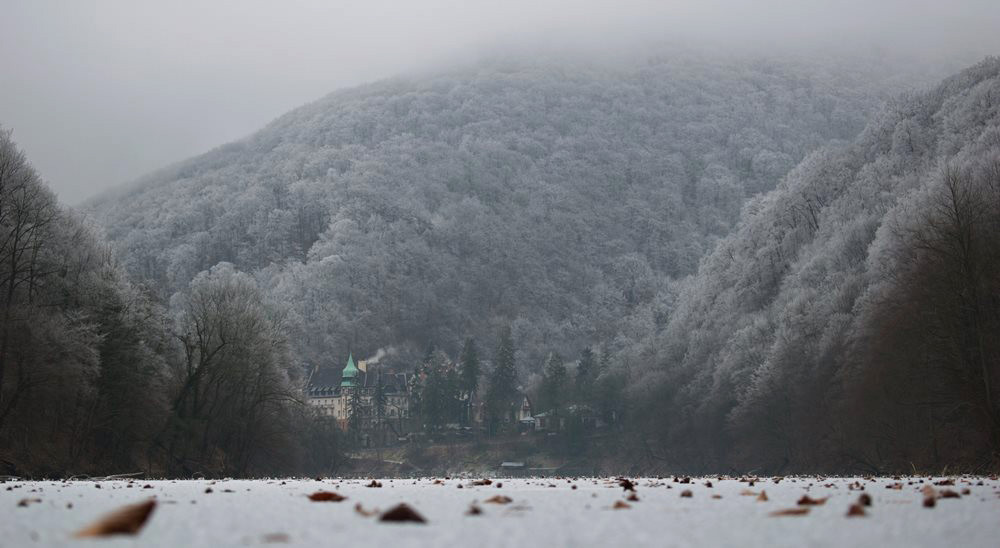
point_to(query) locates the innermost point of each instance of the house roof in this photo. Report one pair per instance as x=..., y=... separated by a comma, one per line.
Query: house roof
x=327, y=381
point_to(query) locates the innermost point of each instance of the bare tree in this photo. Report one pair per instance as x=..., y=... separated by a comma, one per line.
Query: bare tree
x=233, y=388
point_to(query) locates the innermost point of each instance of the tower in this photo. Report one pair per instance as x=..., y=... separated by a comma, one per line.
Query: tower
x=349, y=377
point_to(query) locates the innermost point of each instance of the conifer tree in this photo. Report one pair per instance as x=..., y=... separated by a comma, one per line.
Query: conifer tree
x=553, y=389
x=586, y=373
x=502, y=389
x=379, y=402
x=469, y=361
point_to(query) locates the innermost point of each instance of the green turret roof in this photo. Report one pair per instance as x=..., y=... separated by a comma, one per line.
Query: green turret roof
x=350, y=374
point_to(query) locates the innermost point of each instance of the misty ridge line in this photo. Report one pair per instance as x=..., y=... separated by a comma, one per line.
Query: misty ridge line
x=179, y=87
x=918, y=75
x=919, y=72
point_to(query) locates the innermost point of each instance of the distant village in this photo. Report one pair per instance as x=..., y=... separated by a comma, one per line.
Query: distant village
x=375, y=404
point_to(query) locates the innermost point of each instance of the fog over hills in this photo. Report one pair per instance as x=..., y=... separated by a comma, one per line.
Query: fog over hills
x=560, y=197
x=99, y=92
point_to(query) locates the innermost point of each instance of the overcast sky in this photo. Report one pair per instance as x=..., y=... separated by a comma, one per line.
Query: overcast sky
x=101, y=92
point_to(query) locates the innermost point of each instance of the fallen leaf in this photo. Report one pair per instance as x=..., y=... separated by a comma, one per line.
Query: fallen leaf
x=621, y=505
x=275, y=538
x=864, y=499
x=762, y=497
x=499, y=499
x=626, y=484
x=26, y=502
x=687, y=493
x=402, y=513
x=806, y=501
x=632, y=497
x=374, y=484
x=366, y=513
x=326, y=496
x=790, y=512
x=474, y=510
x=127, y=520
x=482, y=482
x=856, y=510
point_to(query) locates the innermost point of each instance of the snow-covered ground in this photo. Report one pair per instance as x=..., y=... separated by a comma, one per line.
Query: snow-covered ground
x=543, y=512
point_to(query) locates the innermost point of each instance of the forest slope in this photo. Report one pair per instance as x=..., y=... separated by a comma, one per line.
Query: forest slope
x=560, y=198
x=851, y=320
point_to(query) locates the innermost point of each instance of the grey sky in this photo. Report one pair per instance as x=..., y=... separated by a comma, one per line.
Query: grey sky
x=101, y=92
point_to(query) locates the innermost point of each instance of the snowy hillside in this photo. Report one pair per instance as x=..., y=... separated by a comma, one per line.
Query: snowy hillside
x=850, y=320
x=562, y=197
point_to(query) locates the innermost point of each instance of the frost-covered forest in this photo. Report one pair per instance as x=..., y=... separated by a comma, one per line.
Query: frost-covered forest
x=852, y=319
x=97, y=374
x=563, y=198
x=783, y=264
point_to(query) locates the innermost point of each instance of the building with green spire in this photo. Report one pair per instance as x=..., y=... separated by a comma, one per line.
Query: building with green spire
x=331, y=387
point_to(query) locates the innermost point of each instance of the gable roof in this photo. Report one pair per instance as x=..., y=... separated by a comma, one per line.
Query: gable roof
x=327, y=380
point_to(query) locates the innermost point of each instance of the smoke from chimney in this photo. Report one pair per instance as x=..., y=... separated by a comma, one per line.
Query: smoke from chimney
x=379, y=354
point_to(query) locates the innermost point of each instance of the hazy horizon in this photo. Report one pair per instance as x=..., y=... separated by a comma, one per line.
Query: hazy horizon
x=101, y=93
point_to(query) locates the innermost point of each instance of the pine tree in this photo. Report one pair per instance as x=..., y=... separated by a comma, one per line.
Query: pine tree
x=553, y=387
x=470, y=367
x=469, y=376
x=502, y=390
x=432, y=398
x=586, y=374
x=379, y=402
x=440, y=392
x=608, y=392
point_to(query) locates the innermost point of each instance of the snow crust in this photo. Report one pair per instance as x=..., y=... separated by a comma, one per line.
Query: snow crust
x=544, y=512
